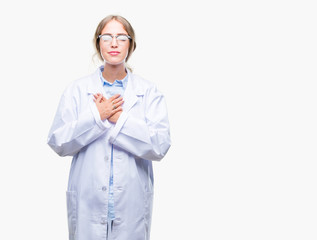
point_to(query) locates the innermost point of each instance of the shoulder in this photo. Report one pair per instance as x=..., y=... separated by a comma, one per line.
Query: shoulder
x=80, y=84
x=147, y=89
x=140, y=81
x=141, y=84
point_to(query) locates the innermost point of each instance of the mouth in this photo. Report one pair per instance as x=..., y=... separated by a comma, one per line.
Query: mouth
x=114, y=53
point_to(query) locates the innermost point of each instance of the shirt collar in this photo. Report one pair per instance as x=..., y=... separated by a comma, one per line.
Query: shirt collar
x=120, y=83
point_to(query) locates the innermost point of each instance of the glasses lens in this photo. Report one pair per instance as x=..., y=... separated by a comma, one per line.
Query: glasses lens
x=106, y=38
x=122, y=38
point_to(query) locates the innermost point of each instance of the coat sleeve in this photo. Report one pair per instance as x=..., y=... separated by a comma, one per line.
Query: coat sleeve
x=72, y=128
x=146, y=138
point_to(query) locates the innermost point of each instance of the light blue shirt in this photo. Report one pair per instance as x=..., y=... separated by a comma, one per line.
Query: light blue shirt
x=117, y=87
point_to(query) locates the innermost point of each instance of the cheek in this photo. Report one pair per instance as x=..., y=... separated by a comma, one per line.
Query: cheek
x=103, y=48
x=126, y=49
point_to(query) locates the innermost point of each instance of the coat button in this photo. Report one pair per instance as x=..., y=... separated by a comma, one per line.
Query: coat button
x=104, y=188
x=106, y=158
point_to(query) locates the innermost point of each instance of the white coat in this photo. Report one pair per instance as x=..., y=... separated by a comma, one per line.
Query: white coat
x=140, y=136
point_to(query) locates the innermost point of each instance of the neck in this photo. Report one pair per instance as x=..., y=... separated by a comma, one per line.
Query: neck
x=113, y=72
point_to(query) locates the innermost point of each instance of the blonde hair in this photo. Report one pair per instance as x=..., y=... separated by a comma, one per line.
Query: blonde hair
x=126, y=25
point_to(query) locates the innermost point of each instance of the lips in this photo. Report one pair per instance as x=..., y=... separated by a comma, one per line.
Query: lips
x=114, y=53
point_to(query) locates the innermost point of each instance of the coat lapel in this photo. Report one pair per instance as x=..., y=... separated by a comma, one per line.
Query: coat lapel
x=130, y=94
x=95, y=86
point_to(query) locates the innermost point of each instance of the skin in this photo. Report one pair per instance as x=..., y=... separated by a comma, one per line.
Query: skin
x=114, y=68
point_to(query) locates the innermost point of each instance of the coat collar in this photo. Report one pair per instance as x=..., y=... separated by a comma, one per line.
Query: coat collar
x=94, y=84
x=132, y=91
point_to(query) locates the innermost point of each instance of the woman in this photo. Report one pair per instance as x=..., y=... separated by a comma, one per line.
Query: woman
x=114, y=124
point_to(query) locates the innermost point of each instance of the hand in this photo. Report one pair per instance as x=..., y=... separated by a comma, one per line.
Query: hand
x=114, y=118
x=108, y=107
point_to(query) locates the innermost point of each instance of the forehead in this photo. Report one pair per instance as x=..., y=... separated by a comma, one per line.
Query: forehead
x=113, y=27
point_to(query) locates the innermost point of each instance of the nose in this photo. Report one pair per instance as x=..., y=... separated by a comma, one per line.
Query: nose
x=114, y=42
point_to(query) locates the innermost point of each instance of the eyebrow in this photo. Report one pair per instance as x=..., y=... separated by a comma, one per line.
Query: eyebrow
x=116, y=35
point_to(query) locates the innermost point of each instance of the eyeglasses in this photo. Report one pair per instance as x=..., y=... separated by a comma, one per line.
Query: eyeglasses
x=121, y=39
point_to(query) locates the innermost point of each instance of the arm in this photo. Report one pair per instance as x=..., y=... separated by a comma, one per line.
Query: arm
x=149, y=137
x=73, y=129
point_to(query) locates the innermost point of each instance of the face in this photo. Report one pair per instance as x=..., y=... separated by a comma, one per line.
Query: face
x=115, y=51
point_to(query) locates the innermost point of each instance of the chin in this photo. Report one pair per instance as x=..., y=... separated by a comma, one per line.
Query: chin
x=112, y=62
x=115, y=64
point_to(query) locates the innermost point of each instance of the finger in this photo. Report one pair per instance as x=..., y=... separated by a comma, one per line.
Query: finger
x=119, y=103
x=116, y=110
x=115, y=106
x=103, y=98
x=114, y=97
x=99, y=98
x=115, y=101
x=96, y=95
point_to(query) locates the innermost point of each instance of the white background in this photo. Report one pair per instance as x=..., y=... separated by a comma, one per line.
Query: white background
x=240, y=83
